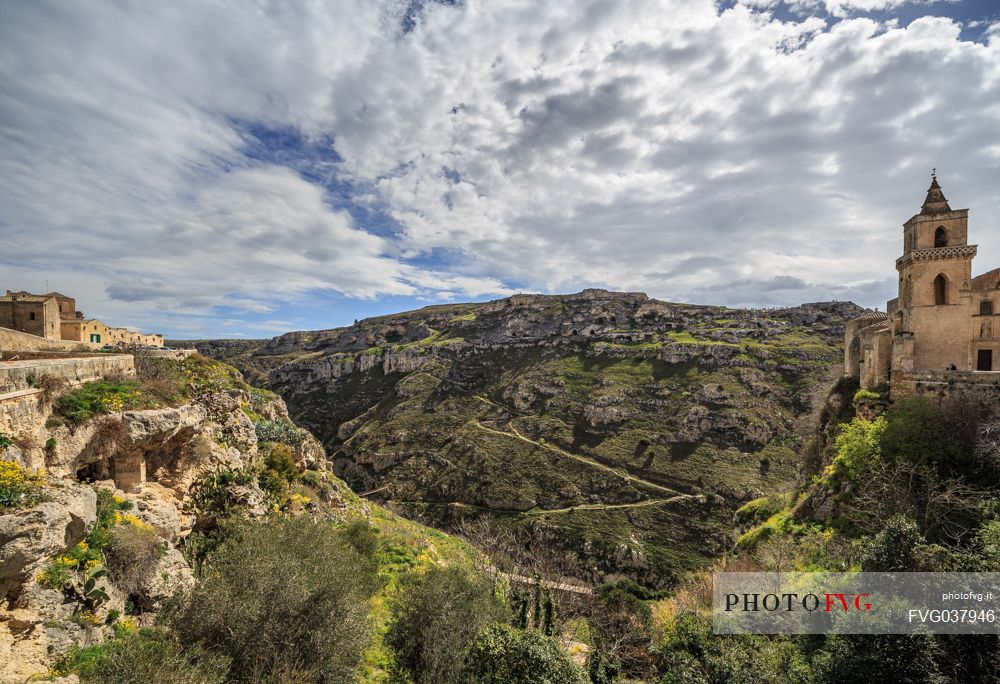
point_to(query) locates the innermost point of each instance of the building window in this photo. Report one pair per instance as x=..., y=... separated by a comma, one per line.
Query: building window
x=94, y=337
x=986, y=308
x=984, y=362
x=940, y=290
x=31, y=315
x=940, y=237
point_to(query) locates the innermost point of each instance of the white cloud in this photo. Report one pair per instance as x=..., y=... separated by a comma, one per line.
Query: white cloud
x=652, y=145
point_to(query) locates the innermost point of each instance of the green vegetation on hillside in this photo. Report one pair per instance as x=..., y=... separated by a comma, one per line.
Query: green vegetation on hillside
x=20, y=486
x=160, y=382
x=913, y=490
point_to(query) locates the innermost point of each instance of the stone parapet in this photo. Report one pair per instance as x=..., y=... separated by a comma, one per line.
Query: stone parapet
x=21, y=403
x=18, y=375
x=945, y=384
x=173, y=354
x=14, y=340
x=937, y=253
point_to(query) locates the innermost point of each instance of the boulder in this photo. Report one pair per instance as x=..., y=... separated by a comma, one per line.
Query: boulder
x=28, y=538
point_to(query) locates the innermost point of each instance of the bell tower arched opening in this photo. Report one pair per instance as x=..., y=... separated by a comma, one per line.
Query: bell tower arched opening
x=940, y=289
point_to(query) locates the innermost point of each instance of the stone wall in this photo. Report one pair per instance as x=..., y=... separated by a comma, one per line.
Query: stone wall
x=173, y=354
x=14, y=375
x=21, y=407
x=13, y=340
x=942, y=384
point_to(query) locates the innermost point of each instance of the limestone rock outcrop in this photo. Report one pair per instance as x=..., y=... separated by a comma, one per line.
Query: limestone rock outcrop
x=150, y=458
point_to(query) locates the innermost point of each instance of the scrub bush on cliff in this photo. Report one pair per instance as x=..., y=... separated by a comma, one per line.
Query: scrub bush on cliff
x=436, y=615
x=285, y=600
x=502, y=654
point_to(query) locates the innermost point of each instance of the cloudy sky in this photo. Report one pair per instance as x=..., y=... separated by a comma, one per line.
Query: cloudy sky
x=242, y=168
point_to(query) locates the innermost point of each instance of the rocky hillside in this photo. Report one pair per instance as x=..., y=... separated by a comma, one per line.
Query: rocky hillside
x=616, y=431
x=87, y=552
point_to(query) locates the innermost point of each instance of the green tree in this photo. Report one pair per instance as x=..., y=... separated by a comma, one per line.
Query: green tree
x=894, y=548
x=502, y=654
x=603, y=668
x=285, y=599
x=549, y=613
x=858, y=446
x=621, y=625
x=436, y=615
x=864, y=658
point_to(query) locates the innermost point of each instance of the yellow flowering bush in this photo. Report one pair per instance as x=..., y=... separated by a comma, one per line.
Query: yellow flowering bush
x=126, y=624
x=19, y=486
x=299, y=499
x=88, y=555
x=58, y=572
x=133, y=520
x=86, y=618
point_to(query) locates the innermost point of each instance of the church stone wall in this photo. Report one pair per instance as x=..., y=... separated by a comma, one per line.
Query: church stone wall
x=937, y=337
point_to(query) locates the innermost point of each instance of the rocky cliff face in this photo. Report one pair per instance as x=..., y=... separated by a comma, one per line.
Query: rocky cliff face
x=616, y=431
x=48, y=544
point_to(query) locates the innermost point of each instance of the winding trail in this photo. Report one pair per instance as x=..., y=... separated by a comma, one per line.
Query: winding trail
x=514, y=434
x=611, y=507
x=553, y=511
x=594, y=463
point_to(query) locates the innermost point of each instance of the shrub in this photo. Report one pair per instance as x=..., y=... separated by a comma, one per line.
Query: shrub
x=286, y=599
x=436, y=615
x=89, y=553
x=502, y=654
x=279, y=460
x=58, y=572
x=19, y=486
x=894, y=548
x=603, y=668
x=281, y=431
x=863, y=658
x=693, y=655
x=622, y=625
x=364, y=537
x=259, y=397
x=863, y=394
x=131, y=556
x=279, y=471
x=318, y=483
x=213, y=495
x=51, y=386
x=5, y=441
x=143, y=656
x=757, y=511
x=858, y=446
x=102, y=396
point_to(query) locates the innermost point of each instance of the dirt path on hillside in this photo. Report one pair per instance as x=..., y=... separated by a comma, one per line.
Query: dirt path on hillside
x=514, y=434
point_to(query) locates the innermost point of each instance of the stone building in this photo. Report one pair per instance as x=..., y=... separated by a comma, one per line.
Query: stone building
x=33, y=314
x=939, y=331
x=54, y=317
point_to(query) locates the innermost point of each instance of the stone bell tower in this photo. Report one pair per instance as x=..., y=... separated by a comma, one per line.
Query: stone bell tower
x=935, y=273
